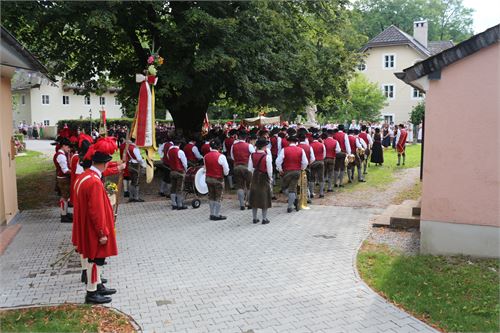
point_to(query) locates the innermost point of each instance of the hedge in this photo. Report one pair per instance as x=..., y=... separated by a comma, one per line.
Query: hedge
x=74, y=124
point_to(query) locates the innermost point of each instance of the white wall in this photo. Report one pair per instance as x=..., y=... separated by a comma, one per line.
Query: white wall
x=22, y=112
x=76, y=108
x=406, y=56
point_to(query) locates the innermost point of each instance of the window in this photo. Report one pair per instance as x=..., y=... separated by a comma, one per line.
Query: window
x=388, y=118
x=23, y=99
x=102, y=100
x=65, y=100
x=117, y=102
x=388, y=91
x=389, y=61
x=362, y=67
x=45, y=100
x=86, y=100
x=46, y=122
x=416, y=94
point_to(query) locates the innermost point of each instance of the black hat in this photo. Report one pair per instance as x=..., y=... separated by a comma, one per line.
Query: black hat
x=292, y=138
x=261, y=142
x=64, y=141
x=100, y=157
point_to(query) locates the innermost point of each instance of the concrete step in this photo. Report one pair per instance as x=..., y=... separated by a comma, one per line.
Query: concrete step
x=403, y=218
x=384, y=219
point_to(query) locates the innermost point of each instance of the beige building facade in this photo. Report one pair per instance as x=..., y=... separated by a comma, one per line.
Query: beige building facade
x=390, y=52
x=48, y=103
x=461, y=175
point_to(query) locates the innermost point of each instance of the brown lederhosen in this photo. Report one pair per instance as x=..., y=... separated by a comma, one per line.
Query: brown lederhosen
x=329, y=166
x=177, y=180
x=290, y=181
x=340, y=161
x=63, y=184
x=242, y=177
x=133, y=169
x=215, y=188
x=317, y=171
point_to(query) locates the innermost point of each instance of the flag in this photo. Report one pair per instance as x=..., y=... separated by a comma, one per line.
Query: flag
x=206, y=125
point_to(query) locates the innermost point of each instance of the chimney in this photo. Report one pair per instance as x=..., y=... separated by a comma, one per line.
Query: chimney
x=420, y=29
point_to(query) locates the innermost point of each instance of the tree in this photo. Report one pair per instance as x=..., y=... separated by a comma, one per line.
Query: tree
x=366, y=100
x=257, y=54
x=417, y=113
x=448, y=19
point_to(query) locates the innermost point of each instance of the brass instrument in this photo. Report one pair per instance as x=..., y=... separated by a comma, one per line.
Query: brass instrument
x=302, y=197
x=349, y=158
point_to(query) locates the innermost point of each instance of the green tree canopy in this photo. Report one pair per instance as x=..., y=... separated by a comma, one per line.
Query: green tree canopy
x=366, y=100
x=256, y=53
x=448, y=19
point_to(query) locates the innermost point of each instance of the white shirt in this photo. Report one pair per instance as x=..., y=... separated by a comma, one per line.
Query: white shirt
x=195, y=151
x=360, y=143
x=63, y=161
x=137, y=158
x=181, y=155
x=347, y=144
x=99, y=173
x=160, y=149
x=269, y=164
x=251, y=148
x=281, y=157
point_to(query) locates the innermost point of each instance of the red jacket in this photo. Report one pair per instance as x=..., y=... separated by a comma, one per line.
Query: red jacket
x=364, y=137
x=174, y=161
x=75, y=159
x=401, y=144
x=188, y=150
x=330, y=146
x=93, y=218
x=274, y=145
x=340, y=137
x=319, y=150
x=166, y=146
x=352, y=143
x=293, y=158
x=241, y=153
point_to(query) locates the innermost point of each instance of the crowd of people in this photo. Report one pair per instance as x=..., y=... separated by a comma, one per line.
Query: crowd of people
x=34, y=131
x=252, y=160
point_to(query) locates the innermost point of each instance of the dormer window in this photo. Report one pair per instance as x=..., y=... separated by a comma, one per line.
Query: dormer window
x=362, y=67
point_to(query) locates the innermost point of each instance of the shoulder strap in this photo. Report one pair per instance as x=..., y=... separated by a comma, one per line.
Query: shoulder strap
x=260, y=160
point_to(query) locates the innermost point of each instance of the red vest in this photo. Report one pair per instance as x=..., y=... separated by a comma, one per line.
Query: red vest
x=318, y=149
x=188, y=150
x=255, y=160
x=307, y=150
x=330, y=146
x=174, y=162
x=339, y=136
x=205, y=148
x=402, y=137
x=59, y=171
x=241, y=153
x=364, y=137
x=352, y=143
x=131, y=154
x=212, y=167
x=274, y=145
x=166, y=146
x=284, y=143
x=293, y=158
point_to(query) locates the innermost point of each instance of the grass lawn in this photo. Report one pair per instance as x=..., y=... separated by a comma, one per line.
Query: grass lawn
x=412, y=193
x=64, y=318
x=35, y=181
x=455, y=294
x=380, y=176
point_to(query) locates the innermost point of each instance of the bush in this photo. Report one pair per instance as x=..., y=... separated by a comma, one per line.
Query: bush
x=74, y=124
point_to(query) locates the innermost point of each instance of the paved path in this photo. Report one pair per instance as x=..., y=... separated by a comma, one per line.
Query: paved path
x=43, y=146
x=180, y=272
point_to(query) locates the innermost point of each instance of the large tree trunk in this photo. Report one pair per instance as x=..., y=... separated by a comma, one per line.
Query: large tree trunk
x=188, y=117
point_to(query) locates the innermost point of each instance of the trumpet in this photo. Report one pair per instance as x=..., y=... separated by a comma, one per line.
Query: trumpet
x=302, y=198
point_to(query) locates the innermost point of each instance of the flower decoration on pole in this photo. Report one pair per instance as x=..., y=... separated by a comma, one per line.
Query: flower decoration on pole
x=143, y=128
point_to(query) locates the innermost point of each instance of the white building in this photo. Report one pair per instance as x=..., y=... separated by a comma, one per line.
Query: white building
x=47, y=104
x=390, y=52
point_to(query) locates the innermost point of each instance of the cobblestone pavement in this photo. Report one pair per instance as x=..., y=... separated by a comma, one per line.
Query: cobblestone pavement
x=179, y=272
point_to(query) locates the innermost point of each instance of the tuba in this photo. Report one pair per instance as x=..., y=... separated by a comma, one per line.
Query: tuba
x=350, y=158
x=302, y=198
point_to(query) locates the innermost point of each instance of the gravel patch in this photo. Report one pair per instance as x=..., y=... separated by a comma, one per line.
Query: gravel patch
x=405, y=241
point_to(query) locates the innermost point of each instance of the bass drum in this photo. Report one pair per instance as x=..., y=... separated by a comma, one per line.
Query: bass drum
x=200, y=181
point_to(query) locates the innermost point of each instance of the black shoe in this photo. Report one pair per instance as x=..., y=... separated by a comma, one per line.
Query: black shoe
x=161, y=194
x=103, y=280
x=274, y=198
x=312, y=196
x=139, y=200
x=334, y=186
x=212, y=217
x=289, y=210
x=69, y=215
x=101, y=289
x=322, y=195
x=349, y=181
x=330, y=190
x=66, y=219
x=256, y=221
x=174, y=207
x=362, y=181
x=126, y=194
x=309, y=201
x=182, y=208
x=132, y=200
x=397, y=164
x=341, y=185
x=365, y=173
x=265, y=221
x=84, y=276
x=93, y=297
x=220, y=217
x=242, y=207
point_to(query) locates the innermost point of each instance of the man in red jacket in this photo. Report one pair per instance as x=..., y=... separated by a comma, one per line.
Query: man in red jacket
x=63, y=172
x=318, y=166
x=94, y=220
x=240, y=154
x=216, y=168
x=178, y=164
x=290, y=161
x=401, y=143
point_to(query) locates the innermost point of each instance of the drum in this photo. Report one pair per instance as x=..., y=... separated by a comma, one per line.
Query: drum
x=195, y=178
